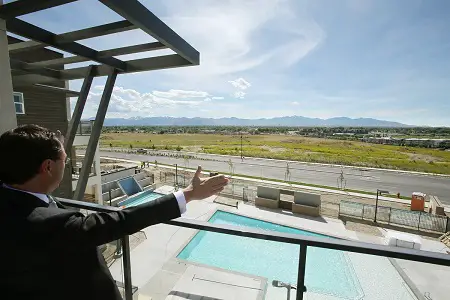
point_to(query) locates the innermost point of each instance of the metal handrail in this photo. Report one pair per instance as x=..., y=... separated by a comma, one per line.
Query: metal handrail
x=303, y=241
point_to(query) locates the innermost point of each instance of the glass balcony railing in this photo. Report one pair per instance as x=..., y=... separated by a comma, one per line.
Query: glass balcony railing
x=289, y=262
x=85, y=127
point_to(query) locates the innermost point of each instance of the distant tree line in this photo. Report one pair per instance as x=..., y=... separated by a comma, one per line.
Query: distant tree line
x=337, y=132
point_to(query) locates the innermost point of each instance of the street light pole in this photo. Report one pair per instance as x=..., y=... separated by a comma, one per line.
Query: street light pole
x=242, y=157
x=379, y=192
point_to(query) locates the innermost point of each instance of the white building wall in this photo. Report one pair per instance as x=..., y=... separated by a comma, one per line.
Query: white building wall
x=8, y=118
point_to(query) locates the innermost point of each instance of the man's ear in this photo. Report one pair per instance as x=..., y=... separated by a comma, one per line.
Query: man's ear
x=46, y=166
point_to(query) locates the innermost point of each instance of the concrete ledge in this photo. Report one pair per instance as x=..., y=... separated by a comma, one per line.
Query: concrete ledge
x=269, y=203
x=313, y=211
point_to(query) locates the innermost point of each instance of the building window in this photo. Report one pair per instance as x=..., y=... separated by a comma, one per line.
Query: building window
x=18, y=103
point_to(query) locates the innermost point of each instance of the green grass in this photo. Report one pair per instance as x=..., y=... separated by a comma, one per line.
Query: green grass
x=293, y=148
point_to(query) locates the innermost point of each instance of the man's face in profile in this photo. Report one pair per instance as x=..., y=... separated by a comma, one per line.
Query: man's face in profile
x=53, y=170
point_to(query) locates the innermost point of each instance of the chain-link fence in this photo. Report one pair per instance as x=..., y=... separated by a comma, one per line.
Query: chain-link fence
x=393, y=216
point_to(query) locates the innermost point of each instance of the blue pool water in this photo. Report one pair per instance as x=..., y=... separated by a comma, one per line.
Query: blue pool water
x=327, y=271
x=140, y=198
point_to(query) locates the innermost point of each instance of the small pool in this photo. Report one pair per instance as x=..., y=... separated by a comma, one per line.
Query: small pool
x=328, y=272
x=140, y=198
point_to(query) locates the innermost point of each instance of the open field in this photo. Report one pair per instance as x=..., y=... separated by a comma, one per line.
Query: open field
x=293, y=148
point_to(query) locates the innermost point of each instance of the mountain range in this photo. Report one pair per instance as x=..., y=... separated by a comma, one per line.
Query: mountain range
x=278, y=121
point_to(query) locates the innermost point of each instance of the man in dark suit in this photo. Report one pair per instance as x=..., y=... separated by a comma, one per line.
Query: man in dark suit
x=48, y=252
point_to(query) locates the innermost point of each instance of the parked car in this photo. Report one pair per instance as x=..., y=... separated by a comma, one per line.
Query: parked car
x=142, y=151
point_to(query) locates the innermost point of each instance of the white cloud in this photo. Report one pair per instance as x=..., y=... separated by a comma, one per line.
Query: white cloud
x=232, y=35
x=239, y=94
x=181, y=94
x=295, y=103
x=240, y=83
x=128, y=102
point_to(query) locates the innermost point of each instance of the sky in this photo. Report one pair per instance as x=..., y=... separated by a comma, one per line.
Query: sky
x=382, y=59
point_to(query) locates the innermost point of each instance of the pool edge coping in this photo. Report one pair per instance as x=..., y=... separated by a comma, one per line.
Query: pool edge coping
x=414, y=289
x=264, y=281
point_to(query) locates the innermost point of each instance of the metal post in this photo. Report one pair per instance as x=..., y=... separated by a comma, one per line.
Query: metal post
x=127, y=267
x=301, y=288
x=95, y=135
x=418, y=224
x=376, y=209
x=110, y=197
x=176, y=175
x=390, y=213
x=74, y=123
x=242, y=157
x=289, y=287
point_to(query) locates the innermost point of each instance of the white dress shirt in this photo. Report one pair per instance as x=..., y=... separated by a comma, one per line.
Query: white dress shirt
x=179, y=195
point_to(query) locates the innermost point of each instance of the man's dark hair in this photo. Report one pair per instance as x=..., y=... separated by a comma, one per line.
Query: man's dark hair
x=24, y=149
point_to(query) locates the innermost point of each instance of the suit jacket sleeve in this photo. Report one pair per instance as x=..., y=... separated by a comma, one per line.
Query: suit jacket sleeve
x=100, y=228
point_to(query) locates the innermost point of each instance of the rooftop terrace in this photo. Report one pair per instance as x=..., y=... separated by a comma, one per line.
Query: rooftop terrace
x=156, y=268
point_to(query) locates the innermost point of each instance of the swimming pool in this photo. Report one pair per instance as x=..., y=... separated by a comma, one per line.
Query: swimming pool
x=140, y=198
x=328, y=271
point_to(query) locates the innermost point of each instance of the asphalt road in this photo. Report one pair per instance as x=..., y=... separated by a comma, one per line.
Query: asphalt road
x=353, y=178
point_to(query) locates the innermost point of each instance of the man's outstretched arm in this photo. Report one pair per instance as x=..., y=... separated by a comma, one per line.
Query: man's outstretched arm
x=100, y=228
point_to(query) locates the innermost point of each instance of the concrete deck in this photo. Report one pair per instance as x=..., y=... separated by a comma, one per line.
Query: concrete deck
x=160, y=275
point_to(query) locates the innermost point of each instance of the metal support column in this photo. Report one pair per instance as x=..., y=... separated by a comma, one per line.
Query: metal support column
x=7, y=109
x=176, y=176
x=95, y=135
x=78, y=111
x=127, y=268
x=301, y=288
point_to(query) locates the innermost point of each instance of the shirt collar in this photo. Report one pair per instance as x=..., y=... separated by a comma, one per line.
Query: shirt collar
x=43, y=197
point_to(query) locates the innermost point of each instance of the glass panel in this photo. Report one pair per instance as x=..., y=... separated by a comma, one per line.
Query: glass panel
x=19, y=108
x=18, y=98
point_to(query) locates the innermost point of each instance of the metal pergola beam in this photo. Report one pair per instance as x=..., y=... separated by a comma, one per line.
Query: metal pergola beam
x=67, y=92
x=83, y=34
x=134, y=66
x=106, y=53
x=79, y=108
x=23, y=7
x=30, y=31
x=95, y=135
x=139, y=15
x=26, y=67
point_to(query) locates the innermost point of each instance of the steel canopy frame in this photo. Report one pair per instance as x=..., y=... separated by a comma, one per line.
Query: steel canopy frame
x=136, y=15
x=103, y=63
x=30, y=31
x=77, y=35
x=23, y=7
x=140, y=16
